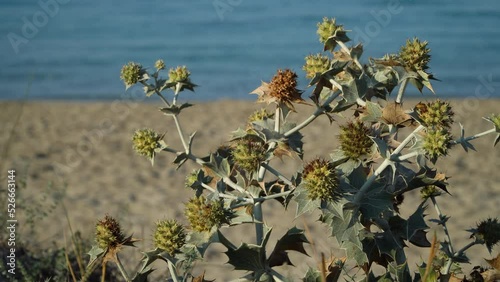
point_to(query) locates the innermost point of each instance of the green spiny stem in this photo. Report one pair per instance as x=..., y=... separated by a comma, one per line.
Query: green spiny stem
x=259, y=226
x=278, y=174
x=257, y=210
x=475, y=136
x=405, y=156
x=157, y=91
x=181, y=134
x=443, y=223
x=173, y=273
x=401, y=91
x=384, y=165
x=121, y=268
x=273, y=196
x=459, y=253
x=319, y=111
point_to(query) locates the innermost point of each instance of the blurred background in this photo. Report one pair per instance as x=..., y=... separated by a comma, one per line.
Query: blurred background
x=74, y=50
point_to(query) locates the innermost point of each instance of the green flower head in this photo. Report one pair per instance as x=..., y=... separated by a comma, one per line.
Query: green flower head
x=316, y=64
x=321, y=181
x=437, y=114
x=108, y=233
x=179, y=74
x=327, y=29
x=249, y=152
x=204, y=214
x=145, y=141
x=132, y=73
x=415, y=55
x=169, y=236
x=354, y=140
x=436, y=143
x=160, y=65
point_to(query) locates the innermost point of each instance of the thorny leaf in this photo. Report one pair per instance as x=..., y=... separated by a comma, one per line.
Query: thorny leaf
x=393, y=113
x=465, y=144
x=293, y=240
x=174, y=110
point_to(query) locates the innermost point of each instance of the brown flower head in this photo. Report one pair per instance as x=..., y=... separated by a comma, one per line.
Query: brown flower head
x=108, y=233
x=281, y=90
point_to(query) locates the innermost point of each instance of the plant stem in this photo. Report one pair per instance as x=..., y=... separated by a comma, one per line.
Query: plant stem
x=405, y=156
x=443, y=223
x=277, y=195
x=181, y=134
x=384, y=165
x=277, y=173
x=459, y=253
x=475, y=136
x=259, y=225
x=319, y=111
x=401, y=91
x=173, y=273
x=121, y=268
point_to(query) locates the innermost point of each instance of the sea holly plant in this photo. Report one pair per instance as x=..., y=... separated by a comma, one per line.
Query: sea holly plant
x=387, y=148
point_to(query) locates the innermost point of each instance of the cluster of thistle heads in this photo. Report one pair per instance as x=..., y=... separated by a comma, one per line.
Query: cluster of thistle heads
x=321, y=178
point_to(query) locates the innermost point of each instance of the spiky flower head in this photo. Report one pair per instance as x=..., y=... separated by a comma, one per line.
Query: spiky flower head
x=160, y=64
x=429, y=191
x=204, y=214
x=283, y=87
x=249, y=152
x=108, y=233
x=132, y=73
x=488, y=232
x=354, y=139
x=415, y=54
x=436, y=143
x=316, y=64
x=437, y=114
x=179, y=74
x=495, y=119
x=327, y=29
x=321, y=181
x=169, y=236
x=145, y=141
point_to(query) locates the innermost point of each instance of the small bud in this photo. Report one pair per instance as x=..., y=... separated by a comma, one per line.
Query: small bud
x=249, y=153
x=160, y=65
x=132, y=73
x=488, y=231
x=327, y=29
x=169, y=236
x=321, y=181
x=283, y=87
x=145, y=141
x=436, y=143
x=179, y=74
x=204, y=214
x=437, y=114
x=429, y=191
x=191, y=179
x=316, y=64
x=259, y=115
x=495, y=119
x=415, y=55
x=108, y=233
x=354, y=140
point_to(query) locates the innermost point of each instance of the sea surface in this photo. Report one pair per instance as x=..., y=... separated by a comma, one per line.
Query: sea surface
x=74, y=49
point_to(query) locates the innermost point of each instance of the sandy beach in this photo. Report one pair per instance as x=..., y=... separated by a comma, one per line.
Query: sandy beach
x=79, y=155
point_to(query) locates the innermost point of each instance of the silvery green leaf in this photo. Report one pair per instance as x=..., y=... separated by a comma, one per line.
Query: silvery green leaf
x=95, y=253
x=348, y=166
x=373, y=112
x=174, y=110
x=338, y=156
x=382, y=147
x=354, y=89
x=293, y=240
x=304, y=203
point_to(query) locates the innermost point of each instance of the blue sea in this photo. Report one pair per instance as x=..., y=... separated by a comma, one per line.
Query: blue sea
x=74, y=49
